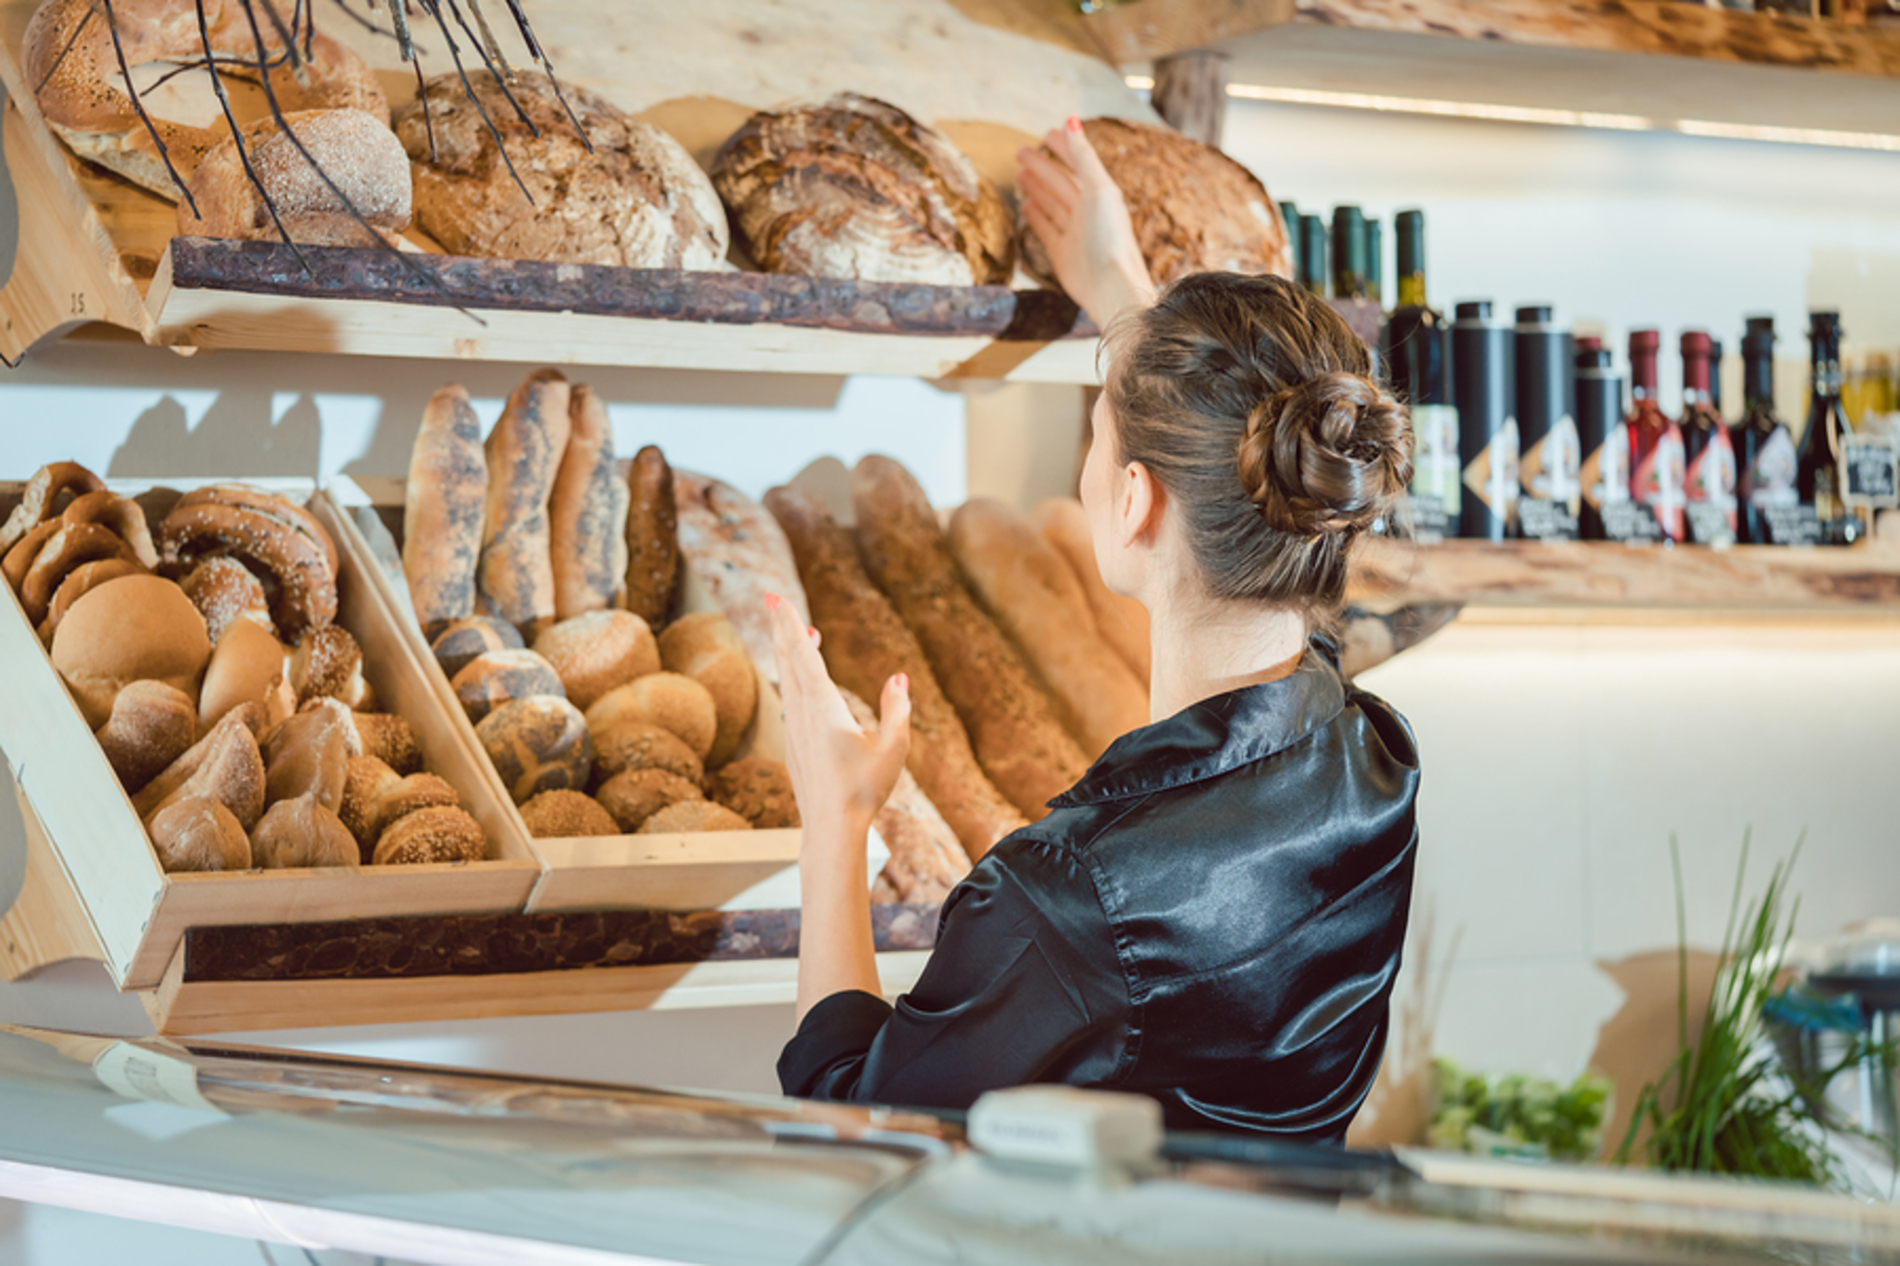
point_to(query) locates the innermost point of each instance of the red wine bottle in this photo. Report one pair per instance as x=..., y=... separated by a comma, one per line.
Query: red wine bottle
x=1349, y=253
x=1656, y=458
x=1415, y=350
x=1314, y=270
x=1818, y=476
x=1709, y=476
x=1764, y=451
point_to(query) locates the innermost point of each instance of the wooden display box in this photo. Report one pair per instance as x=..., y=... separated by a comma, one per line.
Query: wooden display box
x=138, y=913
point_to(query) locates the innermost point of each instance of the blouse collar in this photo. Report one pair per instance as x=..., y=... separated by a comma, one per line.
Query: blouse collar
x=1219, y=734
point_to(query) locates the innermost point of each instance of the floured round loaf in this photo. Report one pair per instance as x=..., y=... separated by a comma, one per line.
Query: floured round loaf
x=1194, y=209
x=856, y=188
x=354, y=148
x=637, y=200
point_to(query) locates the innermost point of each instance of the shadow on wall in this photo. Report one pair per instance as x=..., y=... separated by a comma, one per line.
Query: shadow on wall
x=237, y=436
x=1397, y=1110
x=1635, y=1045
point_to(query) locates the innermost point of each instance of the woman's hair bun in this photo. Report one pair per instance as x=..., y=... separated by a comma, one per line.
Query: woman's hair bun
x=1327, y=454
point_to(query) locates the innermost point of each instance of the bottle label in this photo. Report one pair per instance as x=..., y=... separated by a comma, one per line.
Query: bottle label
x=1709, y=485
x=1657, y=482
x=1435, y=473
x=1553, y=468
x=1631, y=523
x=1605, y=476
x=1770, y=479
x=1540, y=519
x=1870, y=473
x=1794, y=525
x=1492, y=475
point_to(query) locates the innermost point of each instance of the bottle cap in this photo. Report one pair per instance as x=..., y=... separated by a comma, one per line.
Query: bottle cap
x=1538, y=315
x=1821, y=324
x=1588, y=343
x=1474, y=310
x=1595, y=356
x=1761, y=325
x=1695, y=343
x=1645, y=341
x=1411, y=231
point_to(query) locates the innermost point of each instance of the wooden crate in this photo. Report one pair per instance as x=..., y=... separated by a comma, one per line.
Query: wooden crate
x=138, y=913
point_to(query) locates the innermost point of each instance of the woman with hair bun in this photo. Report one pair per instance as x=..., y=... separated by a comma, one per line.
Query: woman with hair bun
x=1213, y=915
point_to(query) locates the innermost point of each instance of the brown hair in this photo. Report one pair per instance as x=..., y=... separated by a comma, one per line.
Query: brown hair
x=1248, y=398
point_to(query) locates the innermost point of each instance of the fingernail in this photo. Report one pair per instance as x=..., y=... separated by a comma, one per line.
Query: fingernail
x=771, y=602
x=903, y=682
x=812, y=632
x=1075, y=124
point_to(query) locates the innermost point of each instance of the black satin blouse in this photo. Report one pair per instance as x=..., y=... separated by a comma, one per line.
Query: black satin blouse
x=1212, y=917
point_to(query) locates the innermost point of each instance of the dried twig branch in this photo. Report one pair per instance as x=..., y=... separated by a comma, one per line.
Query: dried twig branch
x=92, y=11
x=468, y=88
x=501, y=80
x=237, y=138
x=535, y=52
x=132, y=89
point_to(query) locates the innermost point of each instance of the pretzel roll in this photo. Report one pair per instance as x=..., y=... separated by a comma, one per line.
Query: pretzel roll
x=462, y=640
x=120, y=514
x=41, y=500
x=442, y=834
x=70, y=57
x=598, y=651
x=705, y=647
x=493, y=679
x=634, y=795
x=225, y=765
x=353, y=148
x=538, y=744
x=72, y=545
x=305, y=581
x=301, y=832
x=225, y=591
x=669, y=700
x=196, y=833
x=443, y=505
x=79, y=582
x=637, y=745
x=328, y=664
x=565, y=815
x=152, y=725
x=244, y=665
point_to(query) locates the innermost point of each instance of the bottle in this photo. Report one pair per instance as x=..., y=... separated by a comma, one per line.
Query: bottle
x=1818, y=476
x=1878, y=386
x=1484, y=388
x=1656, y=460
x=1349, y=253
x=1708, y=454
x=1290, y=221
x=1764, y=451
x=1313, y=269
x=1551, y=460
x=1417, y=357
x=1604, y=440
x=1715, y=378
x=1375, y=262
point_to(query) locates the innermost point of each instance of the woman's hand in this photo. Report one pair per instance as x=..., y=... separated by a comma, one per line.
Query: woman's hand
x=841, y=776
x=1076, y=209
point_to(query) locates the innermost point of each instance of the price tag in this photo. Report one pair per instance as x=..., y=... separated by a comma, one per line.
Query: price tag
x=1871, y=464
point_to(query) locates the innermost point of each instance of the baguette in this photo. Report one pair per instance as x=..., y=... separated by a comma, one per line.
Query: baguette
x=927, y=860
x=739, y=553
x=653, y=539
x=516, y=576
x=1122, y=622
x=1012, y=724
x=444, y=505
x=587, y=513
x=1033, y=595
x=864, y=642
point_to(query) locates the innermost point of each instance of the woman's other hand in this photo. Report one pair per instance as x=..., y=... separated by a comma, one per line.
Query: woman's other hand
x=1071, y=203
x=841, y=776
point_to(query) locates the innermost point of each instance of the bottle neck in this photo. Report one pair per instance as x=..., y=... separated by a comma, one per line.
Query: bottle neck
x=1758, y=381
x=1827, y=369
x=1695, y=380
x=1412, y=290
x=1642, y=376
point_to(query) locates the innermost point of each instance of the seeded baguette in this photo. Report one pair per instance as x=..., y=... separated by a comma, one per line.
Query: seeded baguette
x=516, y=576
x=587, y=514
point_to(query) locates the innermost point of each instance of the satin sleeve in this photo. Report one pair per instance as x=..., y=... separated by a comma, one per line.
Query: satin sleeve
x=1024, y=985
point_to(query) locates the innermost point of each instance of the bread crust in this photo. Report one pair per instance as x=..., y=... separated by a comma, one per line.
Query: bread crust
x=135, y=628
x=926, y=858
x=40, y=500
x=1122, y=622
x=739, y=553
x=152, y=725
x=587, y=513
x=705, y=647
x=516, y=576
x=355, y=149
x=864, y=643
x=653, y=540
x=444, y=505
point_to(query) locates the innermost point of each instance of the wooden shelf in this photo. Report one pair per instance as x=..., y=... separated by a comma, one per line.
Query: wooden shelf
x=1632, y=64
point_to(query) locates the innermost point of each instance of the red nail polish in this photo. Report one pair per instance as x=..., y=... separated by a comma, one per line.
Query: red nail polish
x=771, y=602
x=811, y=632
x=903, y=682
x=1075, y=124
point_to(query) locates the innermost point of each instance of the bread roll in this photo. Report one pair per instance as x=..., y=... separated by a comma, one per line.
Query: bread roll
x=493, y=679
x=46, y=495
x=244, y=663
x=516, y=577
x=197, y=833
x=926, y=858
x=673, y=702
x=653, y=539
x=865, y=642
x=135, y=628
x=688, y=816
x=1035, y=598
x=538, y=744
x=309, y=754
x=444, y=505
x=442, y=834
x=597, y=652
x=152, y=725
x=462, y=640
x=737, y=551
x=353, y=148
x=587, y=513
x=1122, y=622
x=225, y=765
x=224, y=591
x=633, y=745
x=388, y=737
x=1012, y=725
x=565, y=815
x=634, y=795
x=760, y=791
x=301, y=832
x=270, y=534
x=81, y=581
x=375, y=797
x=705, y=647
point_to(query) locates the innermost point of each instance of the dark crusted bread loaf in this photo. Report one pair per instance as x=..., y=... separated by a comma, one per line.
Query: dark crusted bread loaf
x=864, y=641
x=445, y=503
x=653, y=538
x=1194, y=209
x=636, y=199
x=516, y=575
x=854, y=187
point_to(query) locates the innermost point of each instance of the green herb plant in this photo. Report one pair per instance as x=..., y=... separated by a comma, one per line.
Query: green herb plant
x=1517, y=1114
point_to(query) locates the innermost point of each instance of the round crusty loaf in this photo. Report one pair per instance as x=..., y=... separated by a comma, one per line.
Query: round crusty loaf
x=355, y=149
x=566, y=814
x=705, y=647
x=493, y=678
x=1194, y=209
x=637, y=199
x=694, y=815
x=856, y=188
x=243, y=664
x=669, y=700
x=538, y=744
x=463, y=640
x=152, y=725
x=637, y=745
x=444, y=833
x=598, y=651
x=198, y=833
x=760, y=791
x=634, y=795
x=135, y=628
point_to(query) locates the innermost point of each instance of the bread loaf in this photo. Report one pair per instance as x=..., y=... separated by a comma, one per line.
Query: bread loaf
x=463, y=640
x=653, y=538
x=1122, y=622
x=587, y=513
x=152, y=725
x=443, y=509
x=672, y=701
x=490, y=680
x=537, y=744
x=244, y=663
x=1035, y=598
x=566, y=814
x=738, y=552
x=705, y=647
x=760, y=791
x=516, y=576
x=353, y=148
x=598, y=651
x=637, y=745
x=224, y=765
x=300, y=832
x=197, y=833
x=864, y=642
x=634, y=795
x=926, y=859
x=1013, y=727
x=135, y=628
